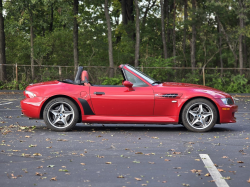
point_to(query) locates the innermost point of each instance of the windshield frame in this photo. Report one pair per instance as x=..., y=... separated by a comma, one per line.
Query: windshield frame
x=142, y=75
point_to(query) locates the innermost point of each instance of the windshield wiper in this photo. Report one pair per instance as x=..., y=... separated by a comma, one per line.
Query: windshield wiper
x=157, y=82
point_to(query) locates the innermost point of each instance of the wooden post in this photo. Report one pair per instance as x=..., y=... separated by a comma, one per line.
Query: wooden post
x=203, y=73
x=16, y=77
x=60, y=72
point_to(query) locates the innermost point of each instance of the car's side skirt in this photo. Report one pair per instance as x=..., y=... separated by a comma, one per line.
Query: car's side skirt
x=130, y=119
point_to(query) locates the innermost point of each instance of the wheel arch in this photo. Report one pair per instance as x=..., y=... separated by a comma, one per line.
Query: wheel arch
x=199, y=97
x=65, y=96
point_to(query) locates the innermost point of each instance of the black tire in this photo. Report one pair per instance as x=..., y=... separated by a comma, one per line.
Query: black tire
x=60, y=114
x=199, y=115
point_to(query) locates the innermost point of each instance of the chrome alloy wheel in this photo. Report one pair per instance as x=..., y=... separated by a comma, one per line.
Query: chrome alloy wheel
x=60, y=115
x=199, y=116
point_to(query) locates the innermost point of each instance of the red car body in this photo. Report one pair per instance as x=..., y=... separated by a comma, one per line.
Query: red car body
x=160, y=103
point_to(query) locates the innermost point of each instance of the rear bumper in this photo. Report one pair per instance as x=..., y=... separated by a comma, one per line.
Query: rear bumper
x=31, y=107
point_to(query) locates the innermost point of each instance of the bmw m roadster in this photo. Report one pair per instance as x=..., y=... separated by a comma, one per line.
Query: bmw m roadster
x=140, y=99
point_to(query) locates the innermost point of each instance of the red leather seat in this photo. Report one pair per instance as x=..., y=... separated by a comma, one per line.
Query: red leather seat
x=85, y=78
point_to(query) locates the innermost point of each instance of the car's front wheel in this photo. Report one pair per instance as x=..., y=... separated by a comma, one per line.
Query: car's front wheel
x=199, y=115
x=60, y=114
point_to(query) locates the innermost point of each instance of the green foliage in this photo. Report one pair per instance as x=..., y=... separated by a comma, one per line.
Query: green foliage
x=111, y=81
x=156, y=71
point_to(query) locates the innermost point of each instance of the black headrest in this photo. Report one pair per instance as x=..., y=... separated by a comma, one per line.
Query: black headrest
x=78, y=75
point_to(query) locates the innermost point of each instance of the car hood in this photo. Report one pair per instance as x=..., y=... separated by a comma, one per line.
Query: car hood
x=197, y=88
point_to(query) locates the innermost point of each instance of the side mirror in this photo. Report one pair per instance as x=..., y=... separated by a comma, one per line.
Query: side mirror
x=129, y=85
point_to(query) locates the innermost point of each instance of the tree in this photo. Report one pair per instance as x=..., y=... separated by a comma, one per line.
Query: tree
x=174, y=36
x=165, y=54
x=75, y=35
x=185, y=29
x=2, y=45
x=137, y=43
x=128, y=17
x=241, y=19
x=111, y=62
x=193, y=41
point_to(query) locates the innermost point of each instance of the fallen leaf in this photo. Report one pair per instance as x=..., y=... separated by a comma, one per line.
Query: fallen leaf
x=167, y=160
x=138, y=153
x=39, y=174
x=63, y=140
x=37, y=154
x=240, y=161
x=225, y=157
x=185, y=184
x=248, y=180
x=138, y=179
x=50, y=166
x=32, y=145
x=83, y=164
x=164, y=181
x=212, y=181
x=221, y=170
x=151, y=162
x=247, y=138
x=53, y=179
x=120, y=176
x=27, y=136
x=65, y=170
x=176, y=153
x=155, y=137
x=108, y=162
x=15, y=150
x=207, y=175
x=144, y=184
x=39, y=167
x=197, y=159
x=136, y=161
x=194, y=170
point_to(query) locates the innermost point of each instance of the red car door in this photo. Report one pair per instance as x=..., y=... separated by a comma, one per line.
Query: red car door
x=119, y=101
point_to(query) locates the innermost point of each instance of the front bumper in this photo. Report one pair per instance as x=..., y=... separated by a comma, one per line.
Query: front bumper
x=227, y=112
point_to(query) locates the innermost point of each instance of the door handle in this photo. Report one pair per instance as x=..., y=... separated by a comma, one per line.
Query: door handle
x=99, y=93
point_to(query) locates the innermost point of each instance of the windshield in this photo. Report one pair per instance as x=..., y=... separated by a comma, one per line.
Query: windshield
x=142, y=75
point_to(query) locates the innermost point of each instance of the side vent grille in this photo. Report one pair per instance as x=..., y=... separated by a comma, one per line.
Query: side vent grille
x=170, y=95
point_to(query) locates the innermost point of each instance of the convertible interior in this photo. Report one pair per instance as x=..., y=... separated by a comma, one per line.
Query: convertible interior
x=82, y=78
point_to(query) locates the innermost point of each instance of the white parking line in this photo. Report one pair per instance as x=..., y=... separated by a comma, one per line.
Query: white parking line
x=215, y=174
x=6, y=103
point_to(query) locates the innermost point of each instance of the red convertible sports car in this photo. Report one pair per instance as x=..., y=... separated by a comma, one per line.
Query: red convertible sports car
x=140, y=99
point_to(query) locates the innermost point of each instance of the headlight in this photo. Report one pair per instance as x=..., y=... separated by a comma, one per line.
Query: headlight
x=29, y=94
x=227, y=101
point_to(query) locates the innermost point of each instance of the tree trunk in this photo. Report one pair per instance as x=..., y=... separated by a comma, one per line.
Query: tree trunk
x=2, y=46
x=241, y=36
x=174, y=37
x=245, y=51
x=128, y=16
x=75, y=36
x=165, y=54
x=167, y=11
x=228, y=42
x=185, y=30
x=111, y=62
x=137, y=43
x=220, y=42
x=193, y=41
x=51, y=19
x=32, y=47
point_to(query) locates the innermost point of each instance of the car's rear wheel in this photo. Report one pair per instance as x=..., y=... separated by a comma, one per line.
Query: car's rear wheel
x=199, y=115
x=60, y=114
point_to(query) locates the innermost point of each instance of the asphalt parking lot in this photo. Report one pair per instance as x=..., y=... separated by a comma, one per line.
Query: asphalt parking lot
x=119, y=155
